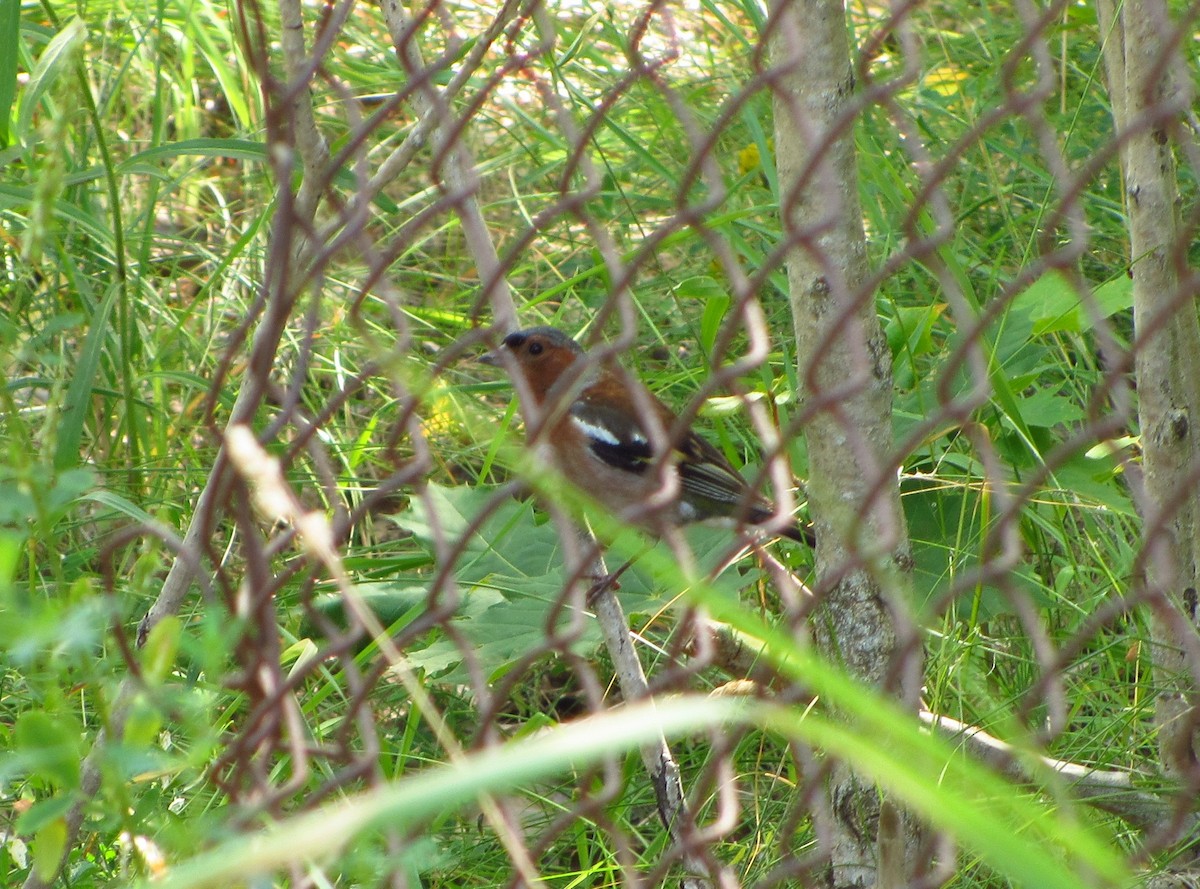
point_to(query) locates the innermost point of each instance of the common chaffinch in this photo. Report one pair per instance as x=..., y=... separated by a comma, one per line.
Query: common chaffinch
x=601, y=445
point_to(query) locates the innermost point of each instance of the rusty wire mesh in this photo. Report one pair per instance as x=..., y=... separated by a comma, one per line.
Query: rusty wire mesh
x=501, y=177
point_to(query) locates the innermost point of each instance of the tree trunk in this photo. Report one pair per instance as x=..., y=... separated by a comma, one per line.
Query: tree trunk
x=1148, y=107
x=863, y=557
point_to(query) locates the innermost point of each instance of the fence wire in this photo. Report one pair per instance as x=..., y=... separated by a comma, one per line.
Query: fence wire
x=398, y=584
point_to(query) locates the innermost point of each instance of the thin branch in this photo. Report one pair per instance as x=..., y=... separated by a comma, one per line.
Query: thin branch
x=458, y=167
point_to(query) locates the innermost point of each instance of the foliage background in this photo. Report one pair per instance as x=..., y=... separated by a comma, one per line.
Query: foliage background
x=154, y=222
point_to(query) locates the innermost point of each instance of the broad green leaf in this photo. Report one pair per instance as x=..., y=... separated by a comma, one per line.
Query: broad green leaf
x=511, y=576
x=1090, y=480
x=142, y=722
x=1112, y=297
x=11, y=546
x=43, y=812
x=507, y=542
x=158, y=654
x=910, y=329
x=49, y=845
x=50, y=744
x=1047, y=409
x=390, y=601
x=1053, y=303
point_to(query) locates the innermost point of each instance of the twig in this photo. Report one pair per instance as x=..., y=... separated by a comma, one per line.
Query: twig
x=1111, y=790
x=660, y=764
x=457, y=165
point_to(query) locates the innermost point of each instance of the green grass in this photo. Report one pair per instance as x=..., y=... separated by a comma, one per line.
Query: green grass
x=137, y=208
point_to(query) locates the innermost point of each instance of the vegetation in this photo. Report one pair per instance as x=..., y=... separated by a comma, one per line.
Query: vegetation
x=141, y=203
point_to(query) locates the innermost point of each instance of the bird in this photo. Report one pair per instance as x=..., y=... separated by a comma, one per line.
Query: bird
x=601, y=445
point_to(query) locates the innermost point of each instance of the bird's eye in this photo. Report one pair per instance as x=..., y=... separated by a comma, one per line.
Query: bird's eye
x=535, y=348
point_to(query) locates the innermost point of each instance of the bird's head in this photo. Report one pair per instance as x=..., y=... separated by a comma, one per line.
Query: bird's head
x=542, y=355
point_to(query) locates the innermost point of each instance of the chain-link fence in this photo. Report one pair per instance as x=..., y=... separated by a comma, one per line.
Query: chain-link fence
x=448, y=622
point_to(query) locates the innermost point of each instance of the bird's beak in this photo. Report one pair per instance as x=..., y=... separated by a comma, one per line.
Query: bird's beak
x=492, y=359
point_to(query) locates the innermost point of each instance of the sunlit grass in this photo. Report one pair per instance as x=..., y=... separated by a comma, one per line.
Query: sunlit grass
x=118, y=313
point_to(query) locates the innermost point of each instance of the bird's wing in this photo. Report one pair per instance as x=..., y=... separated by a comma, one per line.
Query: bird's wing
x=615, y=437
x=619, y=439
x=707, y=476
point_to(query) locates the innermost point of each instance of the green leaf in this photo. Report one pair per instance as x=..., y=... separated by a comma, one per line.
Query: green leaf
x=497, y=547
x=715, y=300
x=1047, y=409
x=43, y=812
x=50, y=745
x=1113, y=296
x=1050, y=303
x=434, y=792
x=511, y=575
x=11, y=545
x=1053, y=303
x=393, y=602
x=79, y=394
x=503, y=623
x=48, y=847
x=58, y=56
x=158, y=654
x=1030, y=843
x=910, y=329
x=69, y=487
x=1090, y=479
x=142, y=722
x=17, y=196
x=10, y=31
x=237, y=149
x=945, y=522
x=225, y=66
x=121, y=505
